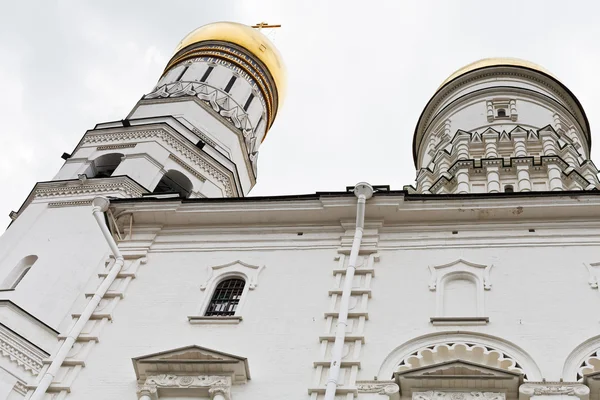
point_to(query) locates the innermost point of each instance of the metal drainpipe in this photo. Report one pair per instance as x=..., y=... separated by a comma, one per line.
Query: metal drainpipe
x=363, y=191
x=100, y=205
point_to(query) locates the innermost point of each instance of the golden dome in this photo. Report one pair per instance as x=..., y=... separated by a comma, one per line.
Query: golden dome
x=490, y=62
x=248, y=38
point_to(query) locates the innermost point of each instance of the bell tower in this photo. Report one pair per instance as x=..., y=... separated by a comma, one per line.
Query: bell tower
x=197, y=133
x=503, y=125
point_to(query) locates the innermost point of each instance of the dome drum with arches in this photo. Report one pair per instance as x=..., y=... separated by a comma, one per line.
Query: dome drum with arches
x=250, y=52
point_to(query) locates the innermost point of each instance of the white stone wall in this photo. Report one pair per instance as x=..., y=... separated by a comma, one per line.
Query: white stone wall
x=537, y=298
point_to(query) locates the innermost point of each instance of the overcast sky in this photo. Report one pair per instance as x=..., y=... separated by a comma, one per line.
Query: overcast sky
x=360, y=73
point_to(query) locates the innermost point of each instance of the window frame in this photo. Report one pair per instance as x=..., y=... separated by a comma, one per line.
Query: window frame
x=214, y=291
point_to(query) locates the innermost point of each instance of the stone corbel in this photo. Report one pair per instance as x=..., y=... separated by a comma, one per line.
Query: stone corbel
x=387, y=388
x=572, y=390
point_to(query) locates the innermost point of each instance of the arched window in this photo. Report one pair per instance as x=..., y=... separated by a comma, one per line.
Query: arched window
x=19, y=272
x=226, y=298
x=105, y=165
x=501, y=113
x=174, y=182
x=509, y=189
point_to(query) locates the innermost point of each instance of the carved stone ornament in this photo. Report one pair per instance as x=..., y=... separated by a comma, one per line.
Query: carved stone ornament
x=479, y=354
x=530, y=389
x=380, y=387
x=188, y=381
x=435, y=395
x=250, y=272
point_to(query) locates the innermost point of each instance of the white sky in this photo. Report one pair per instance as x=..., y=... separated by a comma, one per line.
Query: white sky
x=360, y=73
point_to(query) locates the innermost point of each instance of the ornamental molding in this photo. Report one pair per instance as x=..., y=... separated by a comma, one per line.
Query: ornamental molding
x=87, y=188
x=20, y=387
x=482, y=355
x=76, y=203
x=484, y=75
x=219, y=102
x=247, y=271
x=187, y=381
x=439, y=395
x=388, y=388
x=438, y=272
x=185, y=166
x=116, y=146
x=191, y=366
x=91, y=187
x=176, y=145
x=530, y=389
x=20, y=351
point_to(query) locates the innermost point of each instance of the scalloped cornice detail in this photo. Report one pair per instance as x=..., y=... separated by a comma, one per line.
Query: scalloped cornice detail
x=483, y=355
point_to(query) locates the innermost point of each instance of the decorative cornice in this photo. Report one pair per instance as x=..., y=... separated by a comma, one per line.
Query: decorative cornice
x=187, y=167
x=530, y=389
x=177, y=145
x=78, y=203
x=92, y=187
x=20, y=387
x=21, y=352
x=116, y=146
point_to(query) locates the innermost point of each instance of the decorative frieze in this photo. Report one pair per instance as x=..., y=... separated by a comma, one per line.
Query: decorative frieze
x=437, y=395
x=530, y=389
x=21, y=352
x=116, y=146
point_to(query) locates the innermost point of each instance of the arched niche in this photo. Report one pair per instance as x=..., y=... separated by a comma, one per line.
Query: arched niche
x=19, y=271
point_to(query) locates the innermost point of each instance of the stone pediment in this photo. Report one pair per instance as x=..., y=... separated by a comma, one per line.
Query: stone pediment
x=194, y=360
x=459, y=375
x=457, y=368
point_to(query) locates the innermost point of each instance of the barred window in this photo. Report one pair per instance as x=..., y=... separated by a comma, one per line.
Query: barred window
x=226, y=298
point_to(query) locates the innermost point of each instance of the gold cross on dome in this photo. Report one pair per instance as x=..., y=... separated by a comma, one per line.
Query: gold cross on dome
x=262, y=25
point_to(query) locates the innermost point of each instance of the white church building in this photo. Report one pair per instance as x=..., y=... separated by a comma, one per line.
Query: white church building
x=142, y=271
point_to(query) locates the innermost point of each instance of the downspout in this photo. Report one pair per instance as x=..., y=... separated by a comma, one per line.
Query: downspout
x=363, y=191
x=100, y=205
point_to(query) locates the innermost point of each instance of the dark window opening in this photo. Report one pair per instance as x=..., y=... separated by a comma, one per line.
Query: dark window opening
x=248, y=102
x=226, y=298
x=230, y=84
x=174, y=182
x=183, y=71
x=206, y=74
x=509, y=189
x=106, y=165
x=501, y=113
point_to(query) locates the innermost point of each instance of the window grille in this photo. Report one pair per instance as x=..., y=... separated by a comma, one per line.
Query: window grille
x=226, y=298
